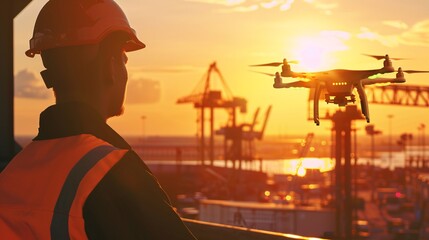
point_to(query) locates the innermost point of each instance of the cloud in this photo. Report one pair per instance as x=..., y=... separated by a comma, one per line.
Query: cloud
x=250, y=8
x=271, y=4
x=253, y=5
x=416, y=35
x=27, y=85
x=164, y=69
x=389, y=41
x=287, y=5
x=219, y=2
x=326, y=7
x=143, y=91
x=396, y=24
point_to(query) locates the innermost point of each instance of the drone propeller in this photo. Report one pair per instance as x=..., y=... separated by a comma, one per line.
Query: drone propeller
x=274, y=64
x=380, y=57
x=269, y=74
x=414, y=71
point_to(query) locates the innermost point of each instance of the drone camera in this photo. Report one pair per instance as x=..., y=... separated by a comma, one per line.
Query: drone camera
x=340, y=99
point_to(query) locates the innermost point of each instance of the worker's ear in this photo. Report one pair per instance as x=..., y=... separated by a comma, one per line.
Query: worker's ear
x=116, y=68
x=108, y=72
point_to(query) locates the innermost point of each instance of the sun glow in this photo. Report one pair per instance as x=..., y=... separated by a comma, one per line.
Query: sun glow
x=300, y=166
x=315, y=53
x=311, y=56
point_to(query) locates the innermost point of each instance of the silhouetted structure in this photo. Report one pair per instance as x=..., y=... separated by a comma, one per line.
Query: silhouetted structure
x=208, y=99
x=8, y=11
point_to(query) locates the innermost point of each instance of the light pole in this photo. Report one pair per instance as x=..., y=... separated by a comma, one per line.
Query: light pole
x=370, y=130
x=143, y=118
x=390, y=116
x=404, y=141
x=422, y=156
x=423, y=141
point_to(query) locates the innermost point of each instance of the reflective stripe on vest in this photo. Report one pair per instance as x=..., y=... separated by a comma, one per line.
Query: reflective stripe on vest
x=60, y=220
x=44, y=188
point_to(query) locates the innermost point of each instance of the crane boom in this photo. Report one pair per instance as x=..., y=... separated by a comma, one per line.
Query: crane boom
x=404, y=95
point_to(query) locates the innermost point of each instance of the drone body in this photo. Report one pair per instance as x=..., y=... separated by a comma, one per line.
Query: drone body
x=338, y=83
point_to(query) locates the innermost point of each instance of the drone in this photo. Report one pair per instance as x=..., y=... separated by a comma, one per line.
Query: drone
x=338, y=83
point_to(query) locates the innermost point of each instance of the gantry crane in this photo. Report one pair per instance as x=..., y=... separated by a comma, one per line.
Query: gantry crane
x=210, y=99
x=404, y=95
x=239, y=140
x=250, y=134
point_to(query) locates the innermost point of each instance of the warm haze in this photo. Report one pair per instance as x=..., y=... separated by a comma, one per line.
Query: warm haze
x=184, y=36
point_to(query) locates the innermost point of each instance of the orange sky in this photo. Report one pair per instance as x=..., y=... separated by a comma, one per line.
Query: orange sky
x=184, y=36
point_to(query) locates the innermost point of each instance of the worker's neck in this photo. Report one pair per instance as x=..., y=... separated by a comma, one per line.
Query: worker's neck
x=102, y=109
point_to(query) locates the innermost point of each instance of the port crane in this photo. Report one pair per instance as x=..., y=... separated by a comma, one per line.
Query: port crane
x=243, y=135
x=210, y=99
x=250, y=134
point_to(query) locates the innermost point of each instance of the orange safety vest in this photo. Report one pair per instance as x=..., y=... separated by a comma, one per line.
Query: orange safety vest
x=44, y=188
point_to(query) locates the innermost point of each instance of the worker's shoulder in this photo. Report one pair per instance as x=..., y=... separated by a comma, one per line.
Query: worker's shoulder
x=132, y=163
x=129, y=174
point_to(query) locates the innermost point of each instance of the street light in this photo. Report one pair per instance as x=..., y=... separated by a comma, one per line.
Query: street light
x=422, y=141
x=422, y=126
x=143, y=118
x=370, y=130
x=404, y=141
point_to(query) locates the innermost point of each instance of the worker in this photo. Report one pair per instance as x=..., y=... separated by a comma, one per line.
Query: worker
x=78, y=178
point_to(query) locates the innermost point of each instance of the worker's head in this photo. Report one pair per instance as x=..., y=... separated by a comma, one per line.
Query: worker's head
x=83, y=45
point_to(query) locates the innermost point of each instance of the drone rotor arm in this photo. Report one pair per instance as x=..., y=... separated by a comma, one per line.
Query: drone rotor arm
x=382, y=81
x=297, y=84
x=305, y=84
x=368, y=81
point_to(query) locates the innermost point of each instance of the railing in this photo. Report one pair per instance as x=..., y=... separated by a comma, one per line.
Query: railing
x=178, y=153
x=214, y=231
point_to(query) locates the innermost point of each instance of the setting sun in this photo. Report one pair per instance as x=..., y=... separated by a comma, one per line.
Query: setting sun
x=315, y=53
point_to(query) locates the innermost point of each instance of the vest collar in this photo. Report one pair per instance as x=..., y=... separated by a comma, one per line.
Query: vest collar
x=74, y=118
